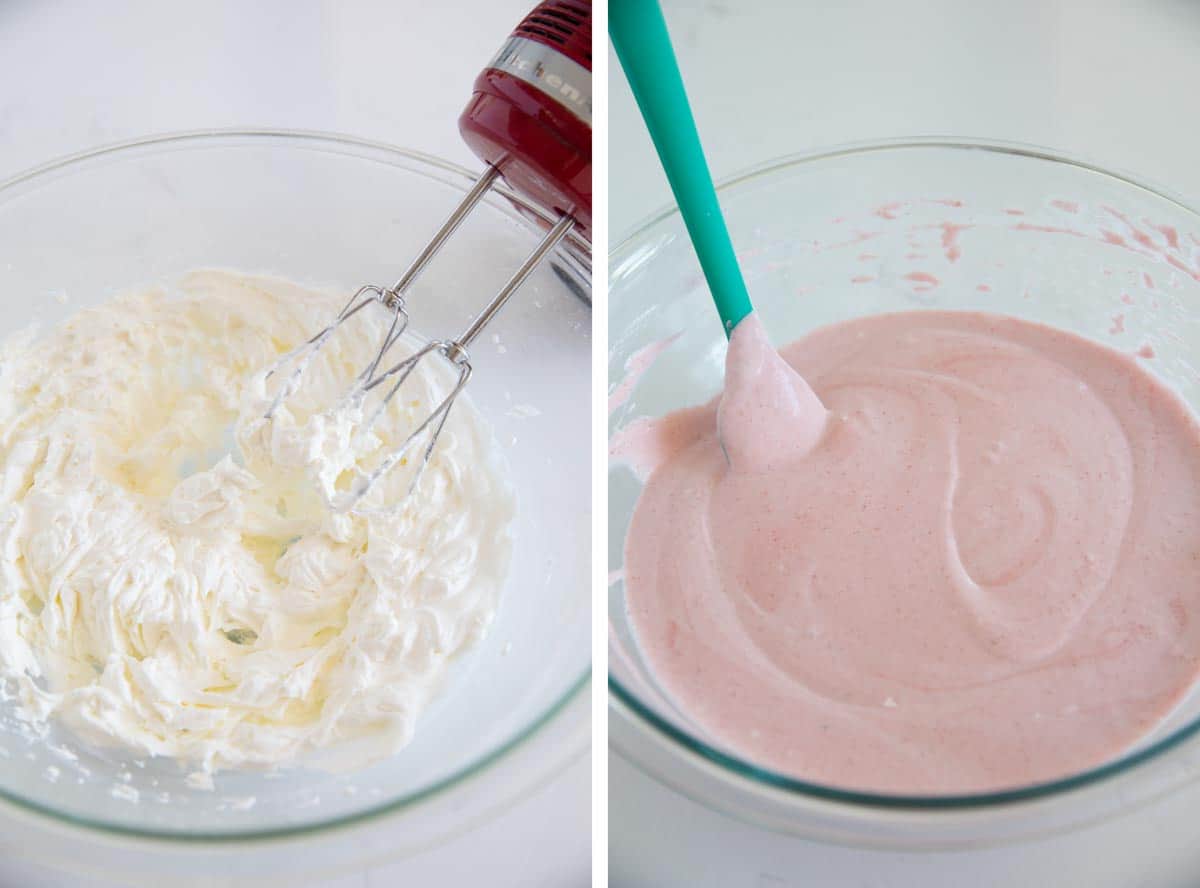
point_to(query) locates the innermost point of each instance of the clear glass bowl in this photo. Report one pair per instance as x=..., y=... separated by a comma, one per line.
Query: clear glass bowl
x=331, y=211
x=864, y=230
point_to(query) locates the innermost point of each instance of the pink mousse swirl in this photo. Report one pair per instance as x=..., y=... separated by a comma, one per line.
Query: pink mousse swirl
x=925, y=552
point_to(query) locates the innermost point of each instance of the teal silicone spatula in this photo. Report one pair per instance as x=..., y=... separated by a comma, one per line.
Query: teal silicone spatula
x=639, y=35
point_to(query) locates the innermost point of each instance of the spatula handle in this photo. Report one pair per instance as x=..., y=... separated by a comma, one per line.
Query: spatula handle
x=639, y=35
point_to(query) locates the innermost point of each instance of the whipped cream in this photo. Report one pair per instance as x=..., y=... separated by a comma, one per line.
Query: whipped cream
x=171, y=581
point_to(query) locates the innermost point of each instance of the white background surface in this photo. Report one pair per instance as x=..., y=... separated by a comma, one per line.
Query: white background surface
x=1113, y=81
x=77, y=75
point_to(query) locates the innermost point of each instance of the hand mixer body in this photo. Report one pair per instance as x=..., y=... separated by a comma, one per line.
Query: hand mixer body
x=529, y=119
x=531, y=112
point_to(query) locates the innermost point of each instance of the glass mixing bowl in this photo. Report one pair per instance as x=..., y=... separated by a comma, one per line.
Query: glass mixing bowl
x=332, y=211
x=888, y=227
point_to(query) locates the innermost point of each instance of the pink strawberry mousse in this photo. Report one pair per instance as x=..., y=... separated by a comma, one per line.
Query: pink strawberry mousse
x=928, y=552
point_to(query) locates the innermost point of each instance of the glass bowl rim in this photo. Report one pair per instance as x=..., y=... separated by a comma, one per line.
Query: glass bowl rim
x=622, y=698
x=577, y=253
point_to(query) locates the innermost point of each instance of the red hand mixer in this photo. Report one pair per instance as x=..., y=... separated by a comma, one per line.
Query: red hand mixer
x=530, y=120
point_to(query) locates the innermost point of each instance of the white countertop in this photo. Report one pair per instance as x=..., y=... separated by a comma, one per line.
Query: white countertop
x=1105, y=79
x=1108, y=80
x=659, y=838
x=77, y=75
